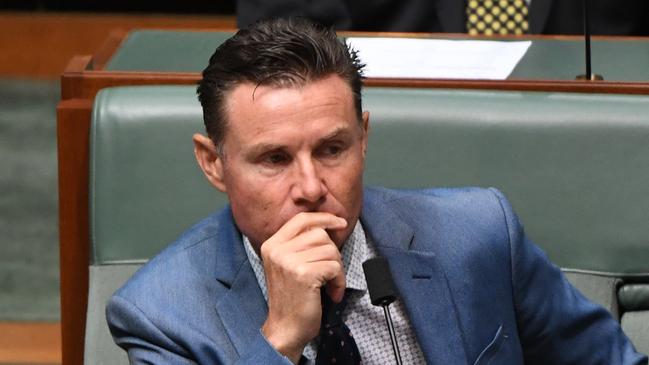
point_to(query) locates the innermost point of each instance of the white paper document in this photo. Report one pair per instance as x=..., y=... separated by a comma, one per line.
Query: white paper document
x=438, y=59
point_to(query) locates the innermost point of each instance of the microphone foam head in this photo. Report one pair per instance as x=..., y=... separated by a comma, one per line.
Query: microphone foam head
x=379, y=281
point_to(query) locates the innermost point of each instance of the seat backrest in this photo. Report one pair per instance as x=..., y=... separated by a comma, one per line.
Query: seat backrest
x=145, y=189
x=574, y=166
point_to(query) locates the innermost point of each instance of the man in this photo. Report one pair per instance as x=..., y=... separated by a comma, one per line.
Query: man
x=629, y=17
x=275, y=278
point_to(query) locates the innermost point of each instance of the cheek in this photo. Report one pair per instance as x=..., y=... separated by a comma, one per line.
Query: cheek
x=254, y=200
x=258, y=204
x=352, y=177
x=347, y=187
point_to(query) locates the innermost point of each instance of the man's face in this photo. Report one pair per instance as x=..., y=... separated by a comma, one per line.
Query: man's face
x=291, y=150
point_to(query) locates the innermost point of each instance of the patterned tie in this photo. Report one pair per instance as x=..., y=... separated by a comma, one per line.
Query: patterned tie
x=491, y=17
x=336, y=344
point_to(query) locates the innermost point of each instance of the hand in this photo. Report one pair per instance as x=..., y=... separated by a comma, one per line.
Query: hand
x=299, y=259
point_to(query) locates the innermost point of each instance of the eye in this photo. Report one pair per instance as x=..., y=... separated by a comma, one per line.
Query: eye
x=333, y=150
x=276, y=158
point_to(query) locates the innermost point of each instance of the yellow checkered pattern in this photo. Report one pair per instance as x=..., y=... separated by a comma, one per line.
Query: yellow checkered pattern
x=491, y=17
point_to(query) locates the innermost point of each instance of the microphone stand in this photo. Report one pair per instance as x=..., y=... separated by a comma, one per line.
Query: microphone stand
x=589, y=76
x=393, y=335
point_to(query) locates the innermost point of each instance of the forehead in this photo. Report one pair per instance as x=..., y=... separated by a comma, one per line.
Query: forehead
x=250, y=106
x=248, y=95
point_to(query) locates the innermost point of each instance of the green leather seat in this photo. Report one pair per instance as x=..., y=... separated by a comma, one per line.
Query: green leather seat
x=574, y=166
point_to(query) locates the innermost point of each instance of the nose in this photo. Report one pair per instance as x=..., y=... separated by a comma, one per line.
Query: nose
x=309, y=186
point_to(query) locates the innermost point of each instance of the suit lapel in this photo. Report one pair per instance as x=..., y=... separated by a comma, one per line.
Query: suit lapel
x=420, y=280
x=539, y=12
x=242, y=308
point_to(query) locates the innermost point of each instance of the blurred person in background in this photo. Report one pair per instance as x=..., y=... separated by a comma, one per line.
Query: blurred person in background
x=608, y=17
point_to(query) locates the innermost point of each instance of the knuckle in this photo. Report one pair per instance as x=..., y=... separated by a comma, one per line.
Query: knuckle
x=301, y=272
x=270, y=253
x=333, y=268
x=266, y=250
x=332, y=251
x=338, y=266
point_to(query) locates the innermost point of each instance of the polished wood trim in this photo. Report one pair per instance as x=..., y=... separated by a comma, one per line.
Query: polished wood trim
x=30, y=343
x=108, y=48
x=87, y=84
x=512, y=85
x=73, y=127
x=78, y=63
x=74, y=70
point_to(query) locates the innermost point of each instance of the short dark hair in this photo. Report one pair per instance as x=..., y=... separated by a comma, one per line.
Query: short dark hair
x=282, y=52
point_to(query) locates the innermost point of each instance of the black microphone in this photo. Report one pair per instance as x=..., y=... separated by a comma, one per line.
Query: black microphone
x=382, y=293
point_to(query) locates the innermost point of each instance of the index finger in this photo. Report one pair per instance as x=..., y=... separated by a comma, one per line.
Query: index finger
x=304, y=221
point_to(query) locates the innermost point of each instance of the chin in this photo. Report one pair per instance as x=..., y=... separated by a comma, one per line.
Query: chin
x=339, y=237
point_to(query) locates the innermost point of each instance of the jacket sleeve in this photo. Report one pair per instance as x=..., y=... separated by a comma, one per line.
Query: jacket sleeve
x=556, y=323
x=145, y=343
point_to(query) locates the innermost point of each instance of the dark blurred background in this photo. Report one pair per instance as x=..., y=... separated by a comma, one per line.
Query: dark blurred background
x=223, y=7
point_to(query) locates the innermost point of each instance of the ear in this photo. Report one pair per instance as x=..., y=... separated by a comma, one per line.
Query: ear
x=209, y=161
x=366, y=130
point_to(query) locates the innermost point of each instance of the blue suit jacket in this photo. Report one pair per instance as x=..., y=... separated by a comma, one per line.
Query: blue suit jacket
x=475, y=289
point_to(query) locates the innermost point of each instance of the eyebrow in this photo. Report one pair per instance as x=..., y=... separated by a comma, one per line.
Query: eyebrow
x=261, y=148
x=340, y=132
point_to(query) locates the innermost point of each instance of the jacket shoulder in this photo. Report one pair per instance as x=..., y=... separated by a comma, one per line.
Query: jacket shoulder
x=187, y=264
x=462, y=198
